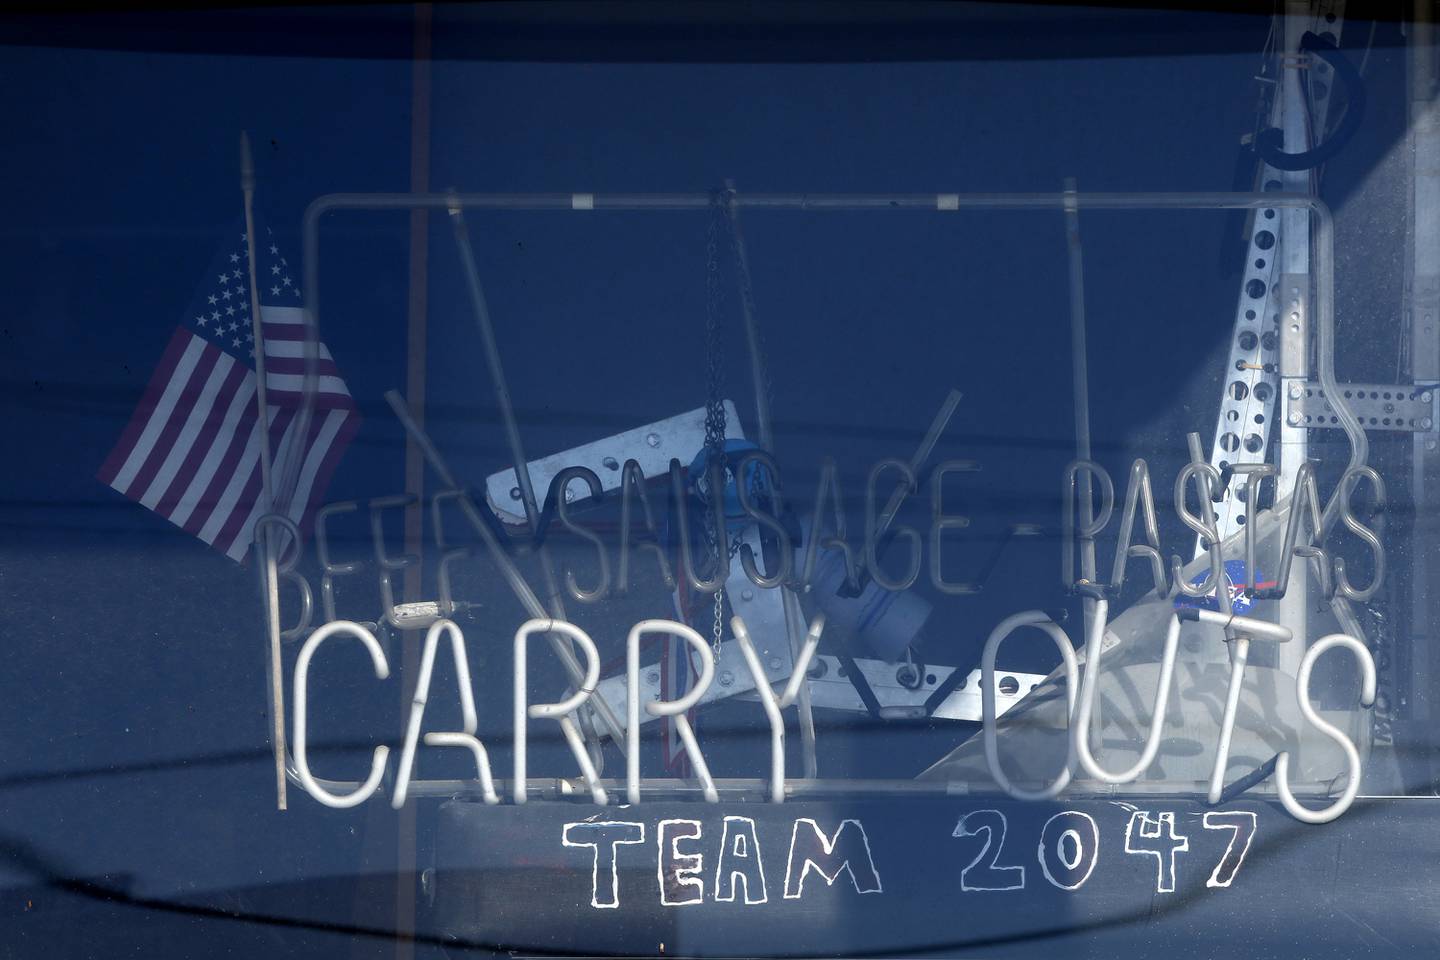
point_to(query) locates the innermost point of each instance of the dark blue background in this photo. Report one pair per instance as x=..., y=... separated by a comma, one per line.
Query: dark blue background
x=133, y=714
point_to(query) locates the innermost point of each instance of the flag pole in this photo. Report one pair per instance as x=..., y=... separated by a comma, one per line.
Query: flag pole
x=262, y=424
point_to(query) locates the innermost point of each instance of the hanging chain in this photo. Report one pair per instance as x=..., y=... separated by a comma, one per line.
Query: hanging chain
x=714, y=398
x=714, y=346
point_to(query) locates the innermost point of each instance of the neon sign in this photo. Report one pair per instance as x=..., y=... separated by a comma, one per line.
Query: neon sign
x=1304, y=531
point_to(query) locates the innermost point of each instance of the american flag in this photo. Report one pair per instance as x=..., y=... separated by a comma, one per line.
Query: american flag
x=191, y=452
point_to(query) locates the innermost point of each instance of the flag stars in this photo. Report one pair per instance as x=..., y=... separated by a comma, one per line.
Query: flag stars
x=274, y=268
x=214, y=314
x=224, y=278
x=274, y=249
x=274, y=291
x=230, y=311
x=235, y=342
x=226, y=293
x=202, y=320
x=285, y=280
x=235, y=274
x=212, y=300
x=234, y=258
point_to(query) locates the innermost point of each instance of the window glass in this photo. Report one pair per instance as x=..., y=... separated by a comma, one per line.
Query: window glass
x=1006, y=432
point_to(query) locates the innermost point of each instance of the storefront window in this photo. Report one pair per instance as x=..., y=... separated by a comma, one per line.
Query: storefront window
x=669, y=480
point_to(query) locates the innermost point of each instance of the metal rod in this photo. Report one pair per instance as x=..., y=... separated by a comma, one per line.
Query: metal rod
x=1080, y=375
x=586, y=203
x=415, y=369
x=760, y=380
x=1291, y=289
x=917, y=461
x=759, y=376
x=265, y=545
x=527, y=597
x=501, y=387
x=497, y=370
x=1080, y=385
x=262, y=423
x=274, y=665
x=742, y=788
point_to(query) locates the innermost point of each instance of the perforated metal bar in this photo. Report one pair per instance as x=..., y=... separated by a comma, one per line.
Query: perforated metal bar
x=1251, y=385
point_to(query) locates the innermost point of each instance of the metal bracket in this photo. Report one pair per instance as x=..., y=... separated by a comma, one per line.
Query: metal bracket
x=1249, y=401
x=1380, y=406
x=830, y=688
x=651, y=446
